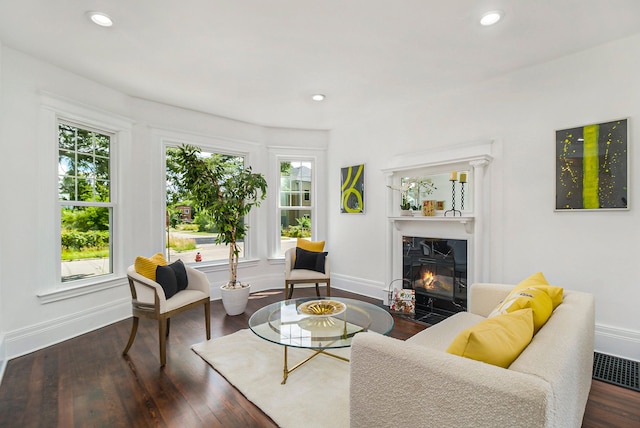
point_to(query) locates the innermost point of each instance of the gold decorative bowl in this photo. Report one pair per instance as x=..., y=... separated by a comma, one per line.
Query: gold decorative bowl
x=323, y=308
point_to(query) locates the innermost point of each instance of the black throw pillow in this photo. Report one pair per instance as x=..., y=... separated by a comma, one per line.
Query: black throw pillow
x=172, y=278
x=181, y=274
x=166, y=277
x=310, y=260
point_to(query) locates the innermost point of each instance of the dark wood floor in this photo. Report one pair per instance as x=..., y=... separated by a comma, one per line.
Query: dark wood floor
x=85, y=382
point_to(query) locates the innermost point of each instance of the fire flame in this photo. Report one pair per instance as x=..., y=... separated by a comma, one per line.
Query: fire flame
x=428, y=279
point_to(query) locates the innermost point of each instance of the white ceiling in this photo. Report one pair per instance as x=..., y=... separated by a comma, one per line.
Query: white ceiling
x=260, y=60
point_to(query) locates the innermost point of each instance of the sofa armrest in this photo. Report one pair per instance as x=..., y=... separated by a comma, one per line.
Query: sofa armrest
x=395, y=383
x=484, y=297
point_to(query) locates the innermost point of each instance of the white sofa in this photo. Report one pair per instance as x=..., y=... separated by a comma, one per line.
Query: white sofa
x=415, y=383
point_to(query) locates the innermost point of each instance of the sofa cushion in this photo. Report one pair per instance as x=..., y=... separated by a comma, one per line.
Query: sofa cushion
x=305, y=244
x=536, y=299
x=439, y=336
x=146, y=266
x=497, y=340
x=538, y=281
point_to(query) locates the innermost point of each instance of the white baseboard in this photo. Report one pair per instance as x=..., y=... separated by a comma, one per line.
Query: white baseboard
x=618, y=342
x=373, y=289
x=38, y=336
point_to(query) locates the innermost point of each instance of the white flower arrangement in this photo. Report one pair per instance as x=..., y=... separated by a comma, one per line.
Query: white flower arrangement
x=413, y=183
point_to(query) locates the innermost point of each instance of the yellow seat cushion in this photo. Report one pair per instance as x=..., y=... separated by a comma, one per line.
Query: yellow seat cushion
x=538, y=281
x=315, y=246
x=146, y=266
x=539, y=302
x=498, y=340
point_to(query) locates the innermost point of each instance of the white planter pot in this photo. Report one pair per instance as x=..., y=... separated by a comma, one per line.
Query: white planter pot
x=235, y=300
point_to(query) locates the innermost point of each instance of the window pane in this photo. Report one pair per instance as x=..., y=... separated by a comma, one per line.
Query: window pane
x=102, y=145
x=66, y=163
x=190, y=234
x=66, y=137
x=85, y=242
x=295, y=184
x=67, y=188
x=83, y=158
x=294, y=224
x=295, y=202
x=84, y=141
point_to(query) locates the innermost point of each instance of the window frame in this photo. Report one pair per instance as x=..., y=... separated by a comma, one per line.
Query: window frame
x=77, y=203
x=279, y=159
x=219, y=146
x=54, y=109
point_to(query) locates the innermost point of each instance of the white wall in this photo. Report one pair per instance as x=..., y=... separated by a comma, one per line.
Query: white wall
x=29, y=239
x=588, y=251
x=3, y=219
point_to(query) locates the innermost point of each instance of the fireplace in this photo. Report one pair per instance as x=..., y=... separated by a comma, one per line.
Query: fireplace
x=436, y=269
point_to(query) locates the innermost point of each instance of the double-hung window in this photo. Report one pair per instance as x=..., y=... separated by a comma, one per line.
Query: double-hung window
x=85, y=201
x=191, y=234
x=296, y=207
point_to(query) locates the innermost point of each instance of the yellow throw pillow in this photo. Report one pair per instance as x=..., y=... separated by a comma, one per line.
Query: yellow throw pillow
x=498, y=340
x=305, y=244
x=146, y=266
x=537, y=280
x=539, y=302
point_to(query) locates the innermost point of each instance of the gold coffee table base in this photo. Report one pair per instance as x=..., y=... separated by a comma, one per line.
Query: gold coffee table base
x=315, y=354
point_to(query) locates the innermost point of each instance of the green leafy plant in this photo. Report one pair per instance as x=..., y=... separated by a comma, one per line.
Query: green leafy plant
x=225, y=190
x=405, y=204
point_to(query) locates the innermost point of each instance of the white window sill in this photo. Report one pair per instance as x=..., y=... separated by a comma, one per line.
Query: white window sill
x=69, y=292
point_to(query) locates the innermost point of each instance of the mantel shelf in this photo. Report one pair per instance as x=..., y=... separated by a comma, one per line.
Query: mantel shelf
x=466, y=221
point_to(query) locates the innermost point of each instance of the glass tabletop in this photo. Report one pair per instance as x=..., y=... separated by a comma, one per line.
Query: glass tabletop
x=318, y=323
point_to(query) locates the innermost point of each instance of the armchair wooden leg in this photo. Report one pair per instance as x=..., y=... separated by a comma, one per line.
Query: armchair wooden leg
x=328, y=288
x=168, y=326
x=132, y=336
x=162, y=335
x=290, y=291
x=317, y=289
x=207, y=319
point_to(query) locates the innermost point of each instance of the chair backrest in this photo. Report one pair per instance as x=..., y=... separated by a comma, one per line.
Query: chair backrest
x=142, y=288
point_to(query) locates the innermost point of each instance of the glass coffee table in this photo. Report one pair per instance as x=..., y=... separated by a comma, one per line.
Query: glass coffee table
x=318, y=324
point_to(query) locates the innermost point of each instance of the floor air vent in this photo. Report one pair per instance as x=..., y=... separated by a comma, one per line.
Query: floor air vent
x=616, y=370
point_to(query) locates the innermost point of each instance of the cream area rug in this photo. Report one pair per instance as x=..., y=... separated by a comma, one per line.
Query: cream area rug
x=316, y=394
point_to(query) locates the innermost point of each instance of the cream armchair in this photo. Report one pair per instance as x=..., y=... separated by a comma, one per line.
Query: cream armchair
x=304, y=276
x=148, y=301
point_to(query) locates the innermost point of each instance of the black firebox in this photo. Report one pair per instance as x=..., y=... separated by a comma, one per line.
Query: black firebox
x=437, y=270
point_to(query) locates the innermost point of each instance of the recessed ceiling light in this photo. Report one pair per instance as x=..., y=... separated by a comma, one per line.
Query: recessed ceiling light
x=491, y=18
x=100, y=18
x=317, y=97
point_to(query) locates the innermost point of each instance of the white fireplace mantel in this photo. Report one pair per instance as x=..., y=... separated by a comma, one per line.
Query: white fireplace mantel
x=471, y=226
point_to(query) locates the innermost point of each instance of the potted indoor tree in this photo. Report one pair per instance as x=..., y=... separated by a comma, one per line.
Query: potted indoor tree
x=227, y=192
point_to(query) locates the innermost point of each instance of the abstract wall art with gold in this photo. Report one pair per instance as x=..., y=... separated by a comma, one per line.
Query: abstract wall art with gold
x=352, y=189
x=592, y=167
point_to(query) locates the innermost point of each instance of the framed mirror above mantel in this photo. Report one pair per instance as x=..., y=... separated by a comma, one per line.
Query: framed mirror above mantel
x=447, y=191
x=439, y=176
